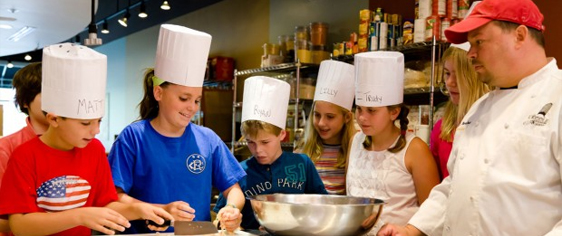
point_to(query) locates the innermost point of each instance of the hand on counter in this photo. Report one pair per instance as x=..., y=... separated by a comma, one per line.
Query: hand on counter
x=229, y=218
x=180, y=210
x=149, y=212
x=102, y=219
x=395, y=230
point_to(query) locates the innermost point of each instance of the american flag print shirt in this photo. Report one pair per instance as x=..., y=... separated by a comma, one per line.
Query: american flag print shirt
x=63, y=193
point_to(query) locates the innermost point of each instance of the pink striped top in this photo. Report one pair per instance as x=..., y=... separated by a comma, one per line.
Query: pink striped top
x=333, y=178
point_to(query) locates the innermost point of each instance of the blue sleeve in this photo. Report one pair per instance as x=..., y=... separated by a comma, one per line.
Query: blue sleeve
x=226, y=169
x=221, y=202
x=121, y=160
x=314, y=183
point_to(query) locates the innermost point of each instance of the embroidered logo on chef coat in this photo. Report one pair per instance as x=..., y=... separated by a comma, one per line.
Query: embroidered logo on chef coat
x=196, y=163
x=539, y=119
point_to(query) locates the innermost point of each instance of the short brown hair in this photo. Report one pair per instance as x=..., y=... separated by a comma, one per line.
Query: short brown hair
x=536, y=34
x=250, y=128
x=27, y=82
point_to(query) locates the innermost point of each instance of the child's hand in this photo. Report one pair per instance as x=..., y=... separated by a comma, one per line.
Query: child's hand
x=102, y=219
x=229, y=218
x=156, y=214
x=180, y=210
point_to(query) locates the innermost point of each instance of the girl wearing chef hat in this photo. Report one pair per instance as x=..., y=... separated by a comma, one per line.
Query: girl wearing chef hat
x=385, y=161
x=166, y=160
x=270, y=169
x=330, y=126
x=464, y=89
x=60, y=182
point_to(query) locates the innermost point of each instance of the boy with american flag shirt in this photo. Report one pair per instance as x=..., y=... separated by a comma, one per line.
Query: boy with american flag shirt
x=60, y=183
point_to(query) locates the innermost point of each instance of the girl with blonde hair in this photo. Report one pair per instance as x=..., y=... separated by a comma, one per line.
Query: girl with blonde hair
x=330, y=127
x=464, y=89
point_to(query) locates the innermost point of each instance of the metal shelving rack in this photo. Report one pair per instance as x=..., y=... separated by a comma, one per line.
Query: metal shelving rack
x=281, y=68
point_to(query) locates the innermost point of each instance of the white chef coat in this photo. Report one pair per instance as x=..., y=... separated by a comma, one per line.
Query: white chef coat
x=505, y=174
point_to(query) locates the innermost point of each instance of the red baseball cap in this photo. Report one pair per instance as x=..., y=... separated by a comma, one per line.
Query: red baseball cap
x=523, y=12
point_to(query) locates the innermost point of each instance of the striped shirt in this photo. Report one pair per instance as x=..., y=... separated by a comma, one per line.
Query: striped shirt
x=333, y=178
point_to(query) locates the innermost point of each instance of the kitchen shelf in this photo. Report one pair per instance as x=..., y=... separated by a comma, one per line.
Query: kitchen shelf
x=421, y=47
x=281, y=68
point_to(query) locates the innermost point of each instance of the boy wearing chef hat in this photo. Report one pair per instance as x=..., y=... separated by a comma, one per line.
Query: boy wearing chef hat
x=60, y=182
x=403, y=167
x=330, y=126
x=270, y=169
x=163, y=158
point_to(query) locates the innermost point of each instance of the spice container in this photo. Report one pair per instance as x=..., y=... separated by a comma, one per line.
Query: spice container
x=318, y=33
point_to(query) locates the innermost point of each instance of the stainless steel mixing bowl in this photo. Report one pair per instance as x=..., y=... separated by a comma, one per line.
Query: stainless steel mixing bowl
x=313, y=214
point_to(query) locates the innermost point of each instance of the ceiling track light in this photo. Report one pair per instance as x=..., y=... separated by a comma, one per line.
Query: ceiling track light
x=21, y=33
x=10, y=64
x=27, y=57
x=105, y=27
x=123, y=21
x=165, y=6
x=142, y=13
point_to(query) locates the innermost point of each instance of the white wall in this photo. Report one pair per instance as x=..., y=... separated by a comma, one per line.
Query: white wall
x=13, y=119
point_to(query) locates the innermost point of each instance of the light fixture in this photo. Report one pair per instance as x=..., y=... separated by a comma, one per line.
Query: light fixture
x=21, y=33
x=123, y=21
x=27, y=57
x=142, y=13
x=105, y=28
x=165, y=6
x=5, y=26
x=10, y=65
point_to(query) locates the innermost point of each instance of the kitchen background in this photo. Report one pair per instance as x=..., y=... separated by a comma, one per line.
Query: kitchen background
x=239, y=29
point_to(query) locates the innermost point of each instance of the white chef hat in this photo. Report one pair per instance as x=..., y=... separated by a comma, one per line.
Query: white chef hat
x=335, y=83
x=379, y=78
x=266, y=99
x=466, y=45
x=73, y=83
x=181, y=55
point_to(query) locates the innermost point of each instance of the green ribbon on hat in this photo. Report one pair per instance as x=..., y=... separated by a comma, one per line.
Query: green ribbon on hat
x=157, y=81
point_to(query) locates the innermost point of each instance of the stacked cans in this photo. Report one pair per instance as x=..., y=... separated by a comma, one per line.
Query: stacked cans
x=385, y=30
x=434, y=16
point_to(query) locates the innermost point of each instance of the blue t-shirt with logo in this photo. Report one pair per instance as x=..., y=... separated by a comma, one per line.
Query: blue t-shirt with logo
x=290, y=173
x=158, y=169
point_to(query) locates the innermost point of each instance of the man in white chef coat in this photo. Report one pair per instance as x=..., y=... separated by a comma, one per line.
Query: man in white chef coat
x=505, y=163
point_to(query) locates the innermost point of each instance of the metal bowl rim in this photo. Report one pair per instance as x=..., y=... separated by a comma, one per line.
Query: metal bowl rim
x=377, y=201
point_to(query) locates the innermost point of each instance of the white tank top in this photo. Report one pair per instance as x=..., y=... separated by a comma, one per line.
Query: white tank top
x=382, y=175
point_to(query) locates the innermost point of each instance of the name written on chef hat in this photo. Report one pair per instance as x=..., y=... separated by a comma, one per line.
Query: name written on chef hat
x=335, y=83
x=379, y=78
x=181, y=55
x=74, y=81
x=266, y=99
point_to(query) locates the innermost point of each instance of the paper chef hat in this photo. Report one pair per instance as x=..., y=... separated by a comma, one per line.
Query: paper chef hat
x=266, y=99
x=335, y=83
x=73, y=83
x=379, y=78
x=181, y=55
